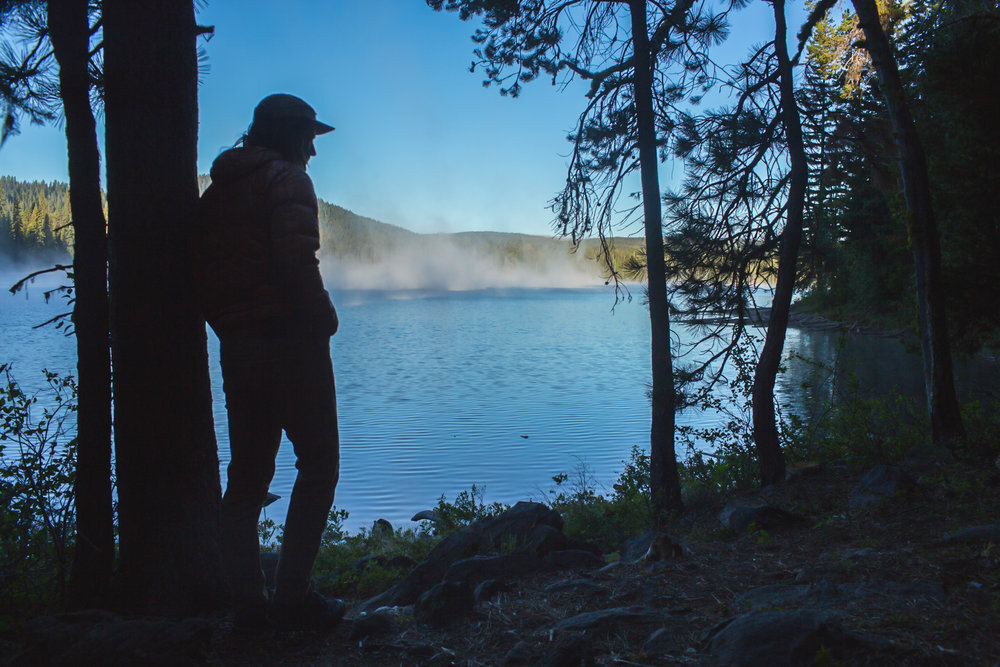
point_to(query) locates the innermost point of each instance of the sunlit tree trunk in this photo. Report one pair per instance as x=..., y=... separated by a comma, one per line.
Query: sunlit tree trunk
x=168, y=470
x=942, y=402
x=664, y=480
x=765, y=429
x=93, y=559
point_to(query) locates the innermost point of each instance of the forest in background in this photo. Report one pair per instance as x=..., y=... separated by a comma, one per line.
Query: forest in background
x=817, y=161
x=35, y=218
x=856, y=257
x=855, y=260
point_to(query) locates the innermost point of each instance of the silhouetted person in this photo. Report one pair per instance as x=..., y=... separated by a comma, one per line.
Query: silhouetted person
x=264, y=297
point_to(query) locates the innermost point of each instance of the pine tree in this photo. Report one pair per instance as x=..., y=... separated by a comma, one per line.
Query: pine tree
x=643, y=61
x=165, y=451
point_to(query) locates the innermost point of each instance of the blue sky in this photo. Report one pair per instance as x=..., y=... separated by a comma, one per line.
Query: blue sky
x=419, y=142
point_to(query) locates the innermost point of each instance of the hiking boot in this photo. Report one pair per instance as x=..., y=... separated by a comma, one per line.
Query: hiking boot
x=315, y=612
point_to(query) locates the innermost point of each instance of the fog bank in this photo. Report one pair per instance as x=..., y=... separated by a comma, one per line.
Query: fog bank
x=440, y=263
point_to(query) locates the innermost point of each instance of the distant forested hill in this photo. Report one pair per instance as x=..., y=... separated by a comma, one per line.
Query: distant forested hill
x=35, y=216
x=366, y=253
x=346, y=234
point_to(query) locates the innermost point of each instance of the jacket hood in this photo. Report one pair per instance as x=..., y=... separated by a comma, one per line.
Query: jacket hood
x=238, y=162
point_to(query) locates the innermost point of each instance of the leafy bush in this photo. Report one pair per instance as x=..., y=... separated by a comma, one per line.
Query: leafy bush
x=357, y=565
x=857, y=428
x=982, y=426
x=468, y=506
x=37, y=475
x=605, y=520
x=722, y=457
x=343, y=567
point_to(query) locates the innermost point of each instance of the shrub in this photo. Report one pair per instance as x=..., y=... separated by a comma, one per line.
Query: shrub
x=855, y=428
x=605, y=520
x=343, y=567
x=37, y=475
x=467, y=507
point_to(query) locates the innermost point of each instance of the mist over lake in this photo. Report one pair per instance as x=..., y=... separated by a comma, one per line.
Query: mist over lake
x=501, y=387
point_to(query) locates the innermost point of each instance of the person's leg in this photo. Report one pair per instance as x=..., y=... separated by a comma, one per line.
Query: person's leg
x=310, y=420
x=254, y=437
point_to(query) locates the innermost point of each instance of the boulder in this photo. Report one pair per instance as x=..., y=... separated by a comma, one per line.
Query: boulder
x=583, y=545
x=826, y=594
x=739, y=514
x=661, y=643
x=545, y=538
x=778, y=639
x=988, y=533
x=513, y=526
x=520, y=654
x=425, y=515
x=635, y=548
x=509, y=530
x=379, y=622
x=612, y=570
x=488, y=589
x=382, y=528
x=606, y=619
x=445, y=603
x=570, y=650
x=663, y=548
x=574, y=559
x=428, y=572
x=882, y=481
x=473, y=570
x=585, y=586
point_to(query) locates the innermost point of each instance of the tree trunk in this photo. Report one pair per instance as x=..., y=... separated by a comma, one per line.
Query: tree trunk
x=664, y=481
x=167, y=463
x=93, y=560
x=942, y=402
x=765, y=430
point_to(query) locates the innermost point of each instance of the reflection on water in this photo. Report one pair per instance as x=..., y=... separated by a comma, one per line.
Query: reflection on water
x=499, y=388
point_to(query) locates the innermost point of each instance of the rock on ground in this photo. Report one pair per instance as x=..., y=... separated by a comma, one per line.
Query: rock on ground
x=988, y=533
x=738, y=515
x=606, y=618
x=826, y=594
x=779, y=639
x=511, y=530
x=445, y=603
x=882, y=481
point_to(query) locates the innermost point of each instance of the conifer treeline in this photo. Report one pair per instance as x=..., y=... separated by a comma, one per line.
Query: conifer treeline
x=33, y=216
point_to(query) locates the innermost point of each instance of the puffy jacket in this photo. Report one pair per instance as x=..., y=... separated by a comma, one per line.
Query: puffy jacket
x=255, y=248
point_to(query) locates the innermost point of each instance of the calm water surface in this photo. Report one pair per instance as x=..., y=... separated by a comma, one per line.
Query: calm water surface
x=438, y=391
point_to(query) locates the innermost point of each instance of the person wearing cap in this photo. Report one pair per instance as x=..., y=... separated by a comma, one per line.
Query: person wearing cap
x=262, y=293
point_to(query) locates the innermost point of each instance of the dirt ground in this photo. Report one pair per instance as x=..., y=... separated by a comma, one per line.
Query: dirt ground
x=898, y=539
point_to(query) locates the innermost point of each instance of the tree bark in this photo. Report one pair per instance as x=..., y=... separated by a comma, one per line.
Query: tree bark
x=93, y=560
x=942, y=401
x=167, y=463
x=664, y=480
x=765, y=429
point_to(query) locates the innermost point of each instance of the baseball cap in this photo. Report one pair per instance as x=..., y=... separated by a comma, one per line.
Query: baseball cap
x=282, y=106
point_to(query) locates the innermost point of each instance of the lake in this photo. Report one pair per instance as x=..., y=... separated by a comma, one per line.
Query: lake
x=501, y=388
